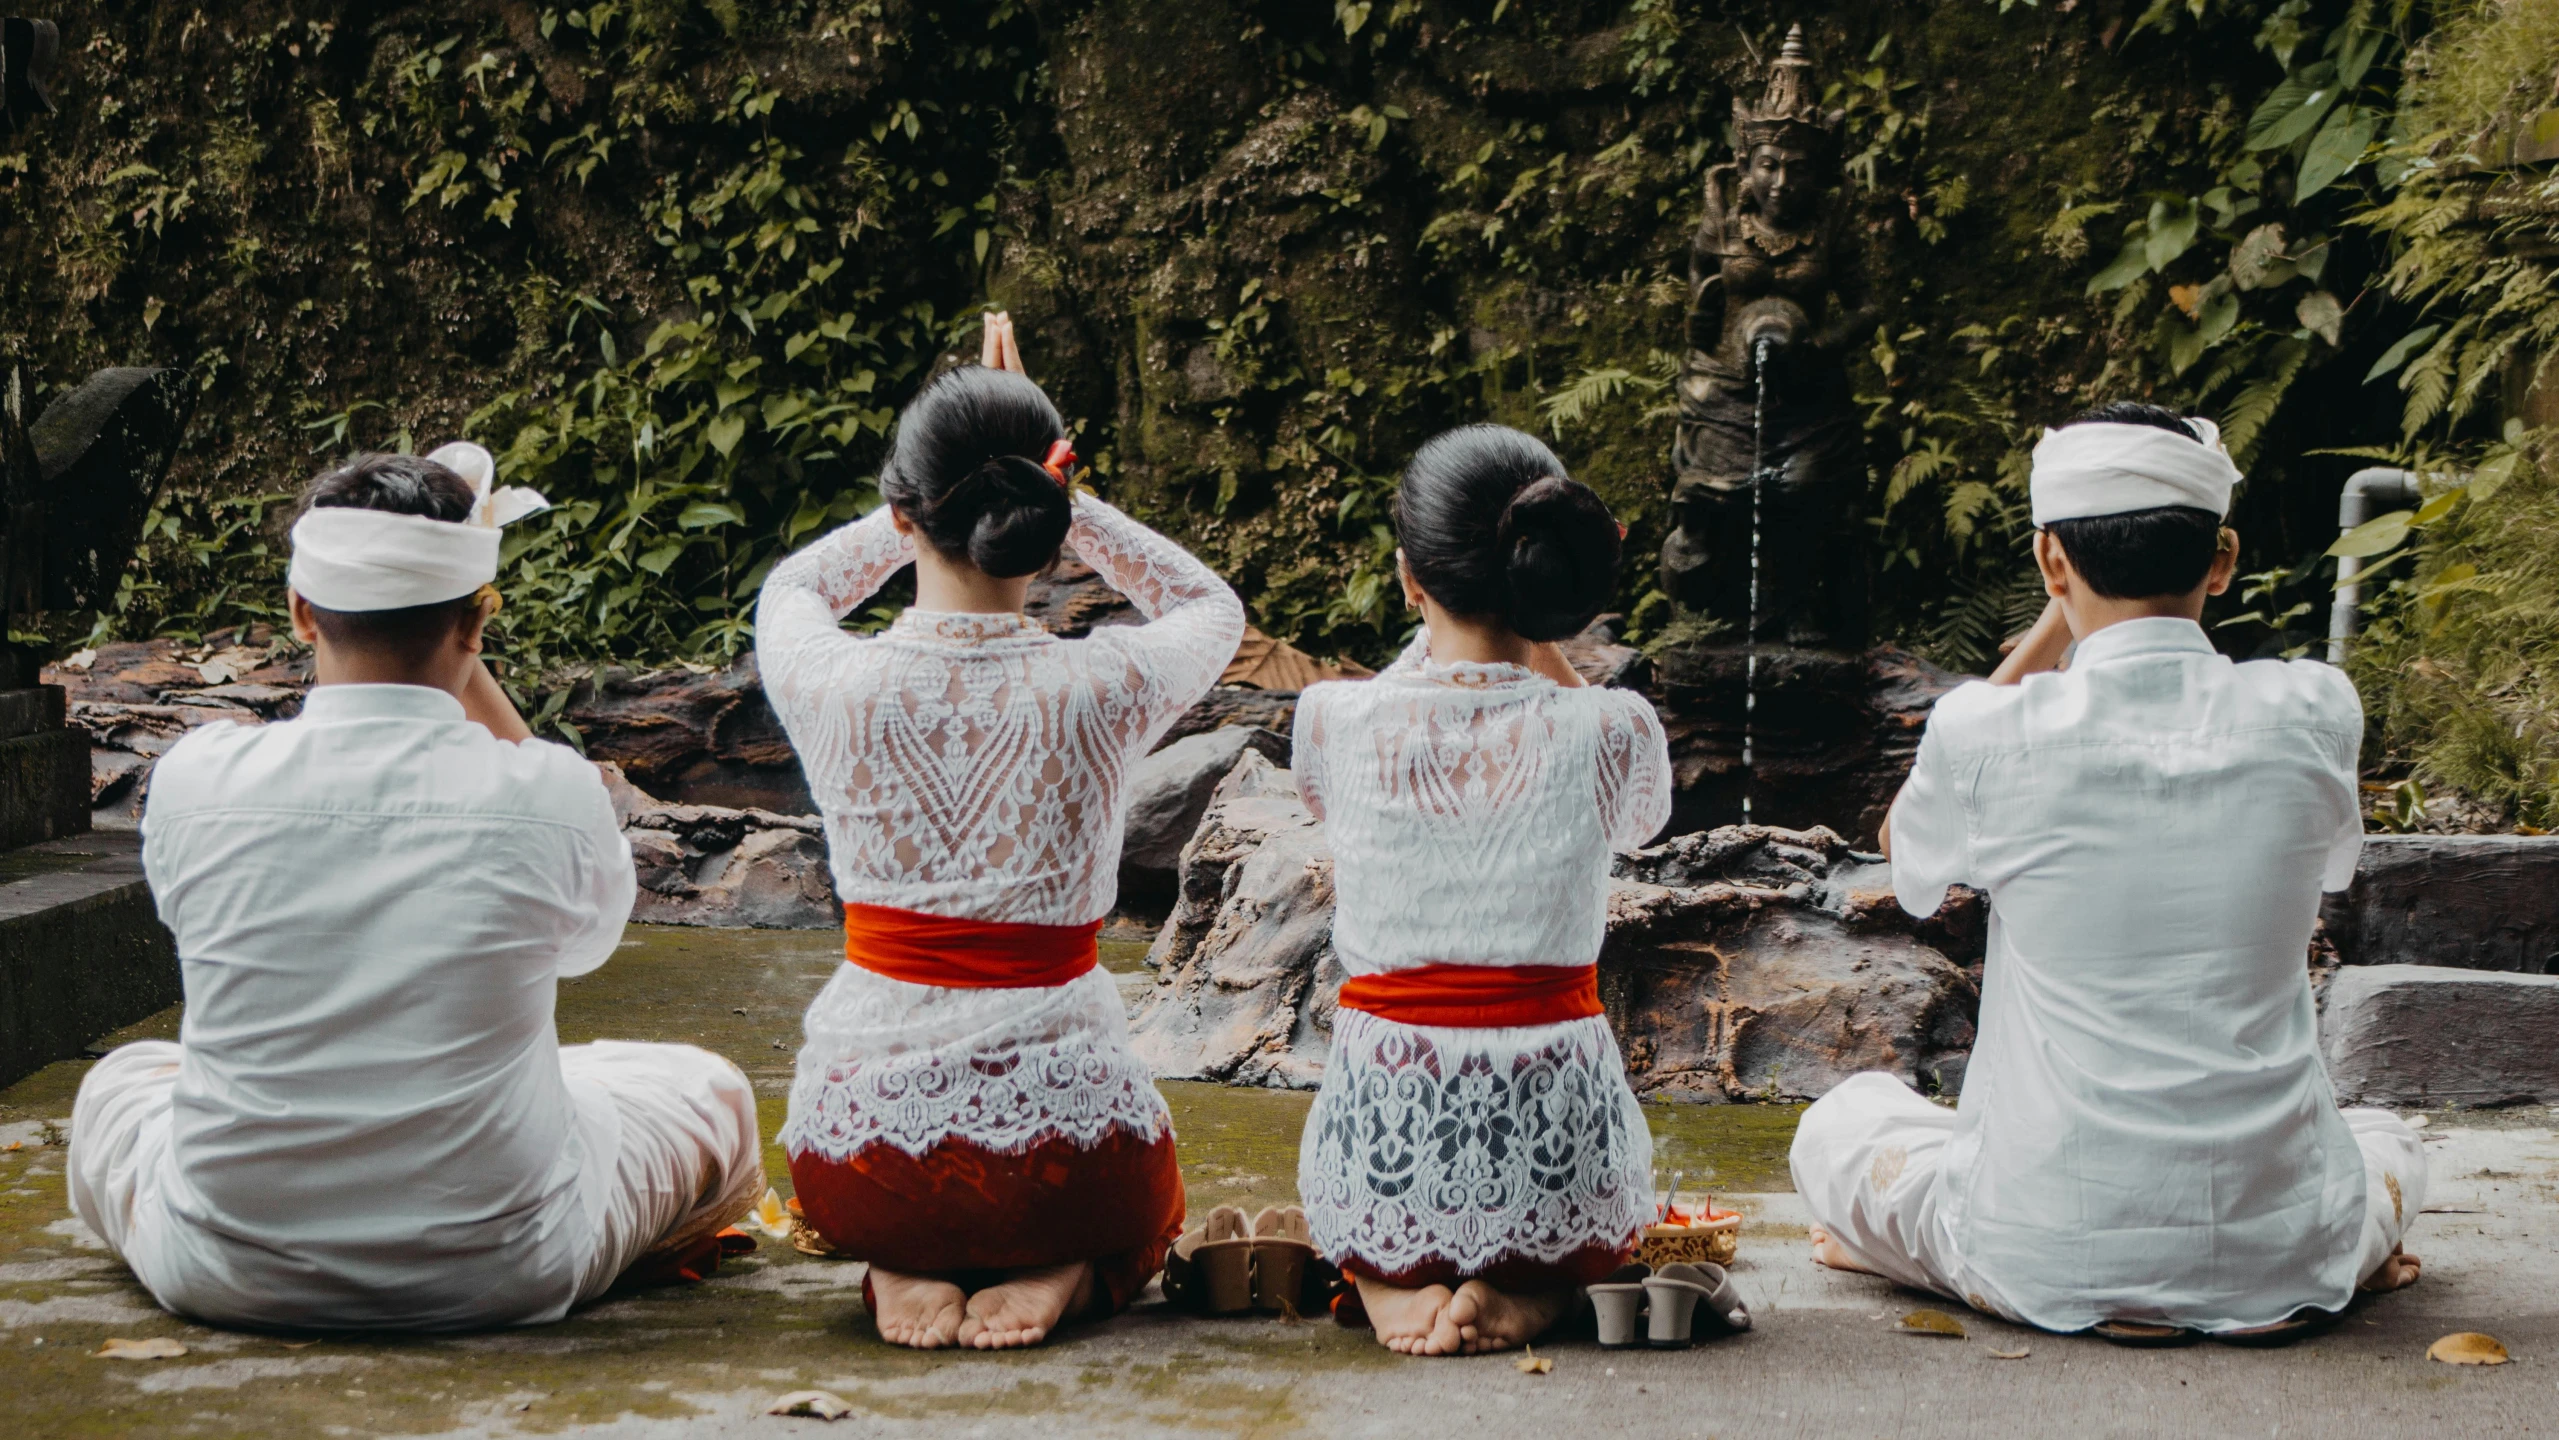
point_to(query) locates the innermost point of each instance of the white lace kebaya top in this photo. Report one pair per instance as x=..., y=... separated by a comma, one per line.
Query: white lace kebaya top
x=1471, y=811
x=973, y=766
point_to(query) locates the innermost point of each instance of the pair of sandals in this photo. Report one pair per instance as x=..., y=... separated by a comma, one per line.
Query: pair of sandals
x=2141, y=1335
x=1674, y=1303
x=1225, y=1266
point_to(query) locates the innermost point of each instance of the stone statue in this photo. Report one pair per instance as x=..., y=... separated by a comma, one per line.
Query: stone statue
x=1775, y=296
x=28, y=50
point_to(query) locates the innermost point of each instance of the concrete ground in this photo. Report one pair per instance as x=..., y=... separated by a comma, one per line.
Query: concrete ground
x=704, y=1360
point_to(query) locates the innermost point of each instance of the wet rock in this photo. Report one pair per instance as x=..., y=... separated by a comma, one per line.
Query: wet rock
x=1168, y=793
x=2427, y=1035
x=691, y=735
x=1235, y=706
x=2474, y=902
x=1747, y=963
x=715, y=866
x=1245, y=974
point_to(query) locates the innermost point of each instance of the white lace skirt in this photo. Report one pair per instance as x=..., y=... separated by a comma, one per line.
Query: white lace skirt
x=1003, y=1070
x=1473, y=1146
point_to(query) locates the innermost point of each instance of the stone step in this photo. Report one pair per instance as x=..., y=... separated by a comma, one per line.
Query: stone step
x=2474, y=902
x=82, y=950
x=2428, y=1035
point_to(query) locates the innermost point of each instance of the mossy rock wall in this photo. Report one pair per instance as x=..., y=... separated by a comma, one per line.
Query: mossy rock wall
x=1257, y=250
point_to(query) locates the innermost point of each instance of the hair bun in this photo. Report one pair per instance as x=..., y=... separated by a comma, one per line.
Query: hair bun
x=1008, y=516
x=1561, y=548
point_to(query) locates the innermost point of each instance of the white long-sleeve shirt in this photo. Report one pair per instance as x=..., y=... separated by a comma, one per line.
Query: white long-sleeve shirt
x=2146, y=1129
x=372, y=905
x=975, y=766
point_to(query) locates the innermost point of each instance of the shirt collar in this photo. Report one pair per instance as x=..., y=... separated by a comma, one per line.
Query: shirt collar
x=332, y=704
x=2131, y=639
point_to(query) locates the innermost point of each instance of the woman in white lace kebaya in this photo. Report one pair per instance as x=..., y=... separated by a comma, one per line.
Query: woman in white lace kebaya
x=967, y=1115
x=1475, y=1152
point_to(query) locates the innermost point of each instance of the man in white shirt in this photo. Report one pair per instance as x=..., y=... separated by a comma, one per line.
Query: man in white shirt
x=368, y=1121
x=2147, y=1144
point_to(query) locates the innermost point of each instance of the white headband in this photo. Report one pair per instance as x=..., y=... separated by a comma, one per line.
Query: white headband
x=2108, y=469
x=357, y=560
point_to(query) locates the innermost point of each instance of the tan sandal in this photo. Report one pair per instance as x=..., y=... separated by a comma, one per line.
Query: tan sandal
x=1282, y=1248
x=1210, y=1269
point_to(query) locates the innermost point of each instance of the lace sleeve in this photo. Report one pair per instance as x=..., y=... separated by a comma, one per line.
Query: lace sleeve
x=804, y=597
x=1306, y=749
x=1634, y=769
x=1194, y=621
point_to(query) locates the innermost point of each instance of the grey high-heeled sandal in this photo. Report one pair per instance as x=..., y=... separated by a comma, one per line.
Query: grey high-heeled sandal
x=1618, y=1304
x=1676, y=1295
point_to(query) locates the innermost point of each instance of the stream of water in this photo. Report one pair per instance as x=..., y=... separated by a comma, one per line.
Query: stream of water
x=1750, y=636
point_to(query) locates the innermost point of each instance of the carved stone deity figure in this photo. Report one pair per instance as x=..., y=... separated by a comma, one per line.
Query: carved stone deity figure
x=1775, y=297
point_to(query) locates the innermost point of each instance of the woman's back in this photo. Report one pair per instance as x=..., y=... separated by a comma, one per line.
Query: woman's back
x=1472, y=809
x=974, y=765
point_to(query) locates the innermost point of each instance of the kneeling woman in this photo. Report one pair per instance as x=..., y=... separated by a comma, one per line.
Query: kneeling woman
x=1475, y=1153
x=967, y=1115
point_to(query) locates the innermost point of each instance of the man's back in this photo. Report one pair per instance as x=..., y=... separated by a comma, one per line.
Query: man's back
x=2145, y=1127
x=371, y=905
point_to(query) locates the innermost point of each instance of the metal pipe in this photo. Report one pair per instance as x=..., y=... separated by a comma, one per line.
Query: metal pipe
x=2354, y=507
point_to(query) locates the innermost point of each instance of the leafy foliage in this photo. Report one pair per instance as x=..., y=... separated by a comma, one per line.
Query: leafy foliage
x=2460, y=668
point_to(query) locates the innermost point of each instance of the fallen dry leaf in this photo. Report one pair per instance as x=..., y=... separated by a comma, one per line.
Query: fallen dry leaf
x=158, y=1347
x=2188, y=298
x=1931, y=1322
x=14, y=1145
x=816, y=1404
x=769, y=1216
x=2019, y=1354
x=1532, y=1363
x=2468, y=1347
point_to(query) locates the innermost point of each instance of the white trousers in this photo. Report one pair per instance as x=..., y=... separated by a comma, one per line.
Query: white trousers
x=678, y=1124
x=1866, y=1159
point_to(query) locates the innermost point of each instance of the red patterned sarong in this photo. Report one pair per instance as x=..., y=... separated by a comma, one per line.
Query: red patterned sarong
x=967, y=1212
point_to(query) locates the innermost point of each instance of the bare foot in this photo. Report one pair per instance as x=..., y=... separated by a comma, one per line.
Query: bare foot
x=2398, y=1272
x=1833, y=1254
x=917, y=1311
x=1488, y=1319
x=1023, y=1309
x=1411, y=1322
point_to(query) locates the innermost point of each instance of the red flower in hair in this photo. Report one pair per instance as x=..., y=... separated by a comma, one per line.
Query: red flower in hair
x=1059, y=460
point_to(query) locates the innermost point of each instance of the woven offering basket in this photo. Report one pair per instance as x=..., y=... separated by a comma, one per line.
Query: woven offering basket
x=1712, y=1238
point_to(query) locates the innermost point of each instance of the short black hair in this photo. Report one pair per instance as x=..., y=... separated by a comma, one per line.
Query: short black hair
x=1493, y=527
x=967, y=469
x=2140, y=554
x=401, y=485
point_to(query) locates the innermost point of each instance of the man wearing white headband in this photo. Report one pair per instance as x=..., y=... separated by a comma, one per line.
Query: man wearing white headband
x=2147, y=1143
x=369, y=1122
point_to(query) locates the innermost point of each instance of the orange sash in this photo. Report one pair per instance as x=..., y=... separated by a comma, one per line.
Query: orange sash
x=966, y=954
x=1477, y=997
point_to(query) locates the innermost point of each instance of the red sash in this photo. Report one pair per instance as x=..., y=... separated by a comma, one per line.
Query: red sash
x=966, y=954
x=1477, y=997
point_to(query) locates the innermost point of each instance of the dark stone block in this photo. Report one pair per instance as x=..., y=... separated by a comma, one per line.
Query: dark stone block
x=2471, y=902
x=1832, y=737
x=44, y=781
x=2425, y=1035
x=82, y=951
